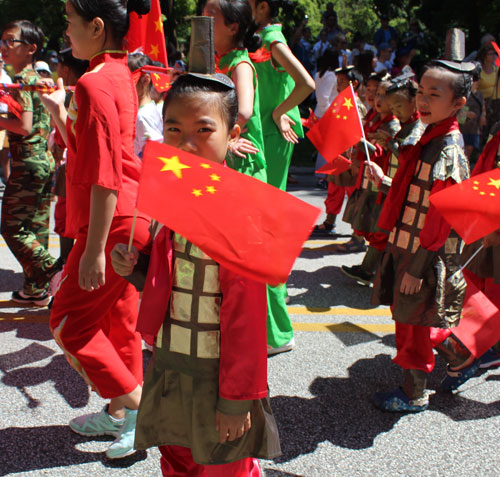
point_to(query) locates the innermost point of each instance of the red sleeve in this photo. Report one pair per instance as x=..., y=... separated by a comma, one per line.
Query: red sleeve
x=98, y=136
x=243, y=347
x=436, y=230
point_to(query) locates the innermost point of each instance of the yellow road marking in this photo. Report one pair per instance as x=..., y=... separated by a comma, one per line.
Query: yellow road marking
x=302, y=310
x=344, y=327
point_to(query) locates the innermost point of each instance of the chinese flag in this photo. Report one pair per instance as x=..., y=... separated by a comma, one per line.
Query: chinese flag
x=479, y=327
x=497, y=49
x=146, y=33
x=472, y=207
x=339, y=128
x=336, y=167
x=242, y=223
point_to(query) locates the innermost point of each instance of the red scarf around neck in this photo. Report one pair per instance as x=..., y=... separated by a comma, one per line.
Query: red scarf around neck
x=408, y=160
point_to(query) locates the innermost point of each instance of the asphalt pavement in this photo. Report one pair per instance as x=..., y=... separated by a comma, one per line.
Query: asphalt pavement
x=320, y=391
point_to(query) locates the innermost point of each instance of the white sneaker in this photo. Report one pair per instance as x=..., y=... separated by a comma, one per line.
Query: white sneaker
x=123, y=445
x=281, y=349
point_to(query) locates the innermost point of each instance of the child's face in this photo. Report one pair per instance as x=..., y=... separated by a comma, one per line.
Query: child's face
x=15, y=52
x=222, y=32
x=401, y=106
x=435, y=98
x=381, y=103
x=371, y=91
x=342, y=82
x=195, y=124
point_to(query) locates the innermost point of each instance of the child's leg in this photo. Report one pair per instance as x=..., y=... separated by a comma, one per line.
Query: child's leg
x=334, y=199
x=414, y=347
x=177, y=461
x=248, y=467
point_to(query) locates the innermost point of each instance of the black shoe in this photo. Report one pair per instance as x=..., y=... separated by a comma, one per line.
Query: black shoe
x=323, y=230
x=38, y=300
x=359, y=274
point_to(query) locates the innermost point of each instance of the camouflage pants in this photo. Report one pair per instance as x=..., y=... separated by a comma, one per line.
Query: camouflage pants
x=26, y=214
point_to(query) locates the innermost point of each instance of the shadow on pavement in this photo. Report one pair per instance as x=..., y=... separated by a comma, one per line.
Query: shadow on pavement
x=27, y=331
x=346, y=291
x=10, y=280
x=32, y=448
x=341, y=410
x=65, y=380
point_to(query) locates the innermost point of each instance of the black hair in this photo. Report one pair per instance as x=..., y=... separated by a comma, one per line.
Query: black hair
x=461, y=81
x=138, y=60
x=114, y=13
x=240, y=12
x=406, y=86
x=476, y=74
x=352, y=75
x=374, y=77
x=483, y=51
x=329, y=60
x=190, y=84
x=77, y=66
x=29, y=33
x=364, y=63
x=275, y=5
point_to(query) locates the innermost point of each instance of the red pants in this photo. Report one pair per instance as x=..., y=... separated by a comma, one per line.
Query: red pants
x=335, y=198
x=178, y=461
x=415, y=345
x=96, y=330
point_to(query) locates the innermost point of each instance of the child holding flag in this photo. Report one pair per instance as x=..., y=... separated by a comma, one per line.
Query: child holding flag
x=283, y=84
x=232, y=18
x=94, y=313
x=205, y=401
x=419, y=274
x=401, y=98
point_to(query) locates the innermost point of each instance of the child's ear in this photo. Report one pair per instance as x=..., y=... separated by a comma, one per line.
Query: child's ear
x=460, y=102
x=97, y=27
x=233, y=28
x=234, y=133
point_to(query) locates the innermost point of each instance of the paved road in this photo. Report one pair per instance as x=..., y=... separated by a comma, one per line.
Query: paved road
x=320, y=391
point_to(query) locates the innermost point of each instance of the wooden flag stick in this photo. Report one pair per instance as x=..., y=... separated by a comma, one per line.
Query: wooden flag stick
x=132, y=232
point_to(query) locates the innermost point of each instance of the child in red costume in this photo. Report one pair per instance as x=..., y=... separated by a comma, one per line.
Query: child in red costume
x=205, y=401
x=94, y=313
x=419, y=273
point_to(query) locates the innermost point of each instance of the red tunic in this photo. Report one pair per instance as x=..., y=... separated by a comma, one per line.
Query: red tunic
x=101, y=131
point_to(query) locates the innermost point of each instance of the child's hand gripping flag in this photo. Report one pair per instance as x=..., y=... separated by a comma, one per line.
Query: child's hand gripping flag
x=339, y=128
x=244, y=224
x=472, y=207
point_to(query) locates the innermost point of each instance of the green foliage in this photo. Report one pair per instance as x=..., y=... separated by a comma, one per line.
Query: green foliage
x=49, y=16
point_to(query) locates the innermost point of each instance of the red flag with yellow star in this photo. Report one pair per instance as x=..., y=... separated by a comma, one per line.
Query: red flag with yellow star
x=339, y=128
x=472, y=207
x=146, y=33
x=248, y=226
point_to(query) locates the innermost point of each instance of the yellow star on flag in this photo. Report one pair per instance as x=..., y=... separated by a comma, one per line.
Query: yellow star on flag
x=205, y=165
x=197, y=192
x=211, y=189
x=348, y=104
x=159, y=24
x=494, y=183
x=155, y=51
x=157, y=76
x=215, y=177
x=174, y=165
x=345, y=118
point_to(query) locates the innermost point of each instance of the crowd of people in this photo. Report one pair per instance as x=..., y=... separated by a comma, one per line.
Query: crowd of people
x=204, y=401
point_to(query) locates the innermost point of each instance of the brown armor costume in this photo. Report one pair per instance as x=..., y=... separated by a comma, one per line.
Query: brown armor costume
x=181, y=389
x=440, y=299
x=362, y=210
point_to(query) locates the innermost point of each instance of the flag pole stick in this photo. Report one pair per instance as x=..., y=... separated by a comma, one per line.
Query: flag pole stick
x=132, y=232
x=472, y=257
x=360, y=123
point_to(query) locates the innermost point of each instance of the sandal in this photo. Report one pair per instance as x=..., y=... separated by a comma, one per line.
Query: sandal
x=324, y=230
x=398, y=401
x=353, y=246
x=454, y=379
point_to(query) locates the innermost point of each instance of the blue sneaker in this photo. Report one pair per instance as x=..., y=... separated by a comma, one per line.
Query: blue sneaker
x=96, y=424
x=490, y=359
x=123, y=445
x=454, y=379
x=398, y=401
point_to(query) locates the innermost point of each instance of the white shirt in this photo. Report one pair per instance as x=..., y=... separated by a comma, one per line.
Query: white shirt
x=149, y=125
x=4, y=78
x=326, y=91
